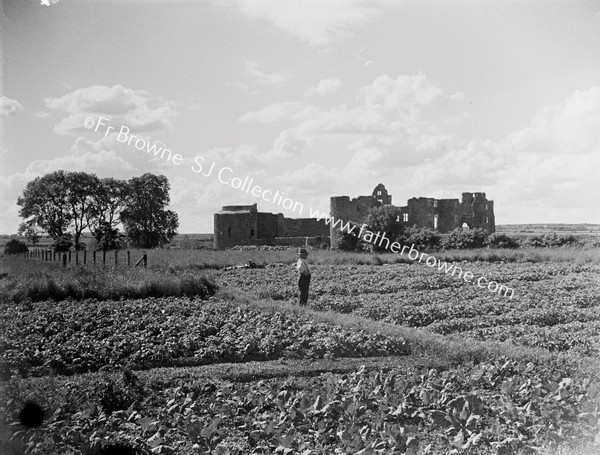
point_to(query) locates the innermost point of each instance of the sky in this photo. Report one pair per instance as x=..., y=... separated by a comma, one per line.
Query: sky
x=309, y=99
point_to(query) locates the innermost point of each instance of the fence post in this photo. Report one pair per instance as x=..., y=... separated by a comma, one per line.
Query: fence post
x=84, y=257
x=69, y=256
x=128, y=258
x=103, y=258
x=94, y=257
x=143, y=259
x=116, y=257
x=64, y=260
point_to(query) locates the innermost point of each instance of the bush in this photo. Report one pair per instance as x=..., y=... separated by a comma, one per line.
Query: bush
x=423, y=239
x=550, y=240
x=348, y=241
x=63, y=243
x=460, y=239
x=496, y=240
x=15, y=246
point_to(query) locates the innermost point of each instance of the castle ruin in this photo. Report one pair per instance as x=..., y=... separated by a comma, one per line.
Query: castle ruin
x=443, y=215
x=245, y=225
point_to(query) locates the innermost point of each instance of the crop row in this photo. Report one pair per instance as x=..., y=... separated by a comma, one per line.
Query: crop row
x=549, y=299
x=73, y=337
x=499, y=408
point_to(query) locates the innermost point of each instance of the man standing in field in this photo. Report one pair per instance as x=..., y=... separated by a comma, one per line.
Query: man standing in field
x=304, y=276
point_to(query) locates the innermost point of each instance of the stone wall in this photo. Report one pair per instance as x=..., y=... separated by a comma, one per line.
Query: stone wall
x=305, y=227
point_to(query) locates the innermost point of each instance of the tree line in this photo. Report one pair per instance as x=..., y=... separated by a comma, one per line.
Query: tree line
x=64, y=204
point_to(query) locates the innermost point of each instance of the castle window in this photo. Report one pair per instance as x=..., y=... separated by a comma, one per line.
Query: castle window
x=251, y=232
x=435, y=203
x=229, y=231
x=435, y=221
x=486, y=207
x=487, y=220
x=378, y=192
x=405, y=217
x=397, y=218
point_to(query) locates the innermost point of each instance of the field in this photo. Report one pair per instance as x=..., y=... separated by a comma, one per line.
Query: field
x=390, y=356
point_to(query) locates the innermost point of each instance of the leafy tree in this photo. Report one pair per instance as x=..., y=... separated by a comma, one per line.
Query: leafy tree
x=109, y=238
x=45, y=203
x=384, y=219
x=58, y=201
x=80, y=195
x=147, y=223
x=29, y=230
x=103, y=215
x=15, y=246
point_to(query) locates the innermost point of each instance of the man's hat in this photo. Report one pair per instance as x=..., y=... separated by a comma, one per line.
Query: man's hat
x=302, y=251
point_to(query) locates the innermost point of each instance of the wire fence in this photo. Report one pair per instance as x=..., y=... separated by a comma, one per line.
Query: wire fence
x=81, y=257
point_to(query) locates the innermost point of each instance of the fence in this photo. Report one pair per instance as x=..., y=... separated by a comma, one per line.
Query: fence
x=81, y=257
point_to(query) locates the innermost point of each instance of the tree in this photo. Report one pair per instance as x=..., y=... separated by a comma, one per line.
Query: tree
x=80, y=195
x=384, y=219
x=103, y=215
x=29, y=230
x=58, y=201
x=108, y=237
x=45, y=203
x=146, y=221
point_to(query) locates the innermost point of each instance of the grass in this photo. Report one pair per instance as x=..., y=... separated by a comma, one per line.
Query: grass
x=49, y=282
x=180, y=260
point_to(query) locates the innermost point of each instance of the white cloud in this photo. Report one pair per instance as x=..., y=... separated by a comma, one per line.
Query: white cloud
x=316, y=23
x=123, y=106
x=9, y=106
x=324, y=87
x=42, y=114
x=544, y=172
x=397, y=122
x=87, y=157
x=262, y=78
x=273, y=112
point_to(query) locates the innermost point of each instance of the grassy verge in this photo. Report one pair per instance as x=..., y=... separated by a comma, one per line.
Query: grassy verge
x=45, y=282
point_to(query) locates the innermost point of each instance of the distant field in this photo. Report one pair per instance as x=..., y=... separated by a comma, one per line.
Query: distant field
x=548, y=228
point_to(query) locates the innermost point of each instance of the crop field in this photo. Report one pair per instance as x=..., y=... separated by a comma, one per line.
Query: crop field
x=556, y=306
x=389, y=357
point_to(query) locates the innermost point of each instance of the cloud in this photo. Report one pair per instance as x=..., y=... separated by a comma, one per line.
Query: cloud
x=273, y=112
x=86, y=156
x=42, y=114
x=9, y=107
x=543, y=172
x=316, y=23
x=397, y=122
x=324, y=87
x=262, y=78
x=134, y=108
